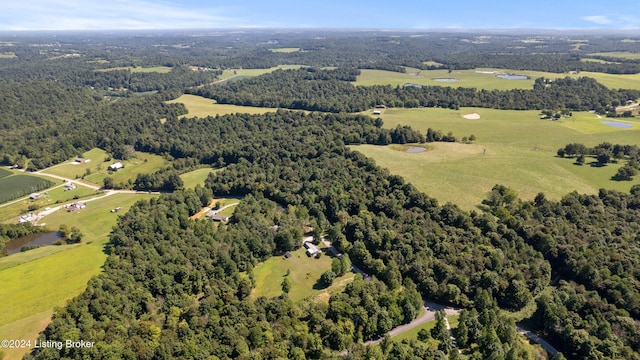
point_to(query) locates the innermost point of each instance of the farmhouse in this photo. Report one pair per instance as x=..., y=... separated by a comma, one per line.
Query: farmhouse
x=376, y=112
x=379, y=106
x=35, y=196
x=311, y=249
x=69, y=186
x=75, y=206
x=216, y=217
x=115, y=167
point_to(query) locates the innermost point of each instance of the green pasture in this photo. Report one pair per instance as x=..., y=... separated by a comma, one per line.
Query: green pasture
x=615, y=81
x=142, y=163
x=196, y=177
x=73, y=170
x=513, y=148
x=228, y=212
x=618, y=54
x=199, y=106
x=432, y=63
x=8, y=55
x=5, y=173
x=304, y=272
x=17, y=185
x=486, y=78
x=474, y=78
x=140, y=69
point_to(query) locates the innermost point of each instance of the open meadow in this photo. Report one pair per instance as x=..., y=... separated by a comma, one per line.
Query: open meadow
x=513, y=148
x=304, y=272
x=36, y=281
x=242, y=73
x=198, y=106
x=196, y=177
x=485, y=78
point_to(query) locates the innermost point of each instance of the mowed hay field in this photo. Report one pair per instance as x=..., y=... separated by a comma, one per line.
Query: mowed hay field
x=199, y=106
x=486, y=78
x=35, y=282
x=520, y=153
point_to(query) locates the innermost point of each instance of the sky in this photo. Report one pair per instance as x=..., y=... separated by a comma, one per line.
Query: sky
x=399, y=14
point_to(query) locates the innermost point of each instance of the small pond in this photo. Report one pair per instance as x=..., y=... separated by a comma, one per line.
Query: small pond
x=40, y=239
x=513, y=77
x=617, y=124
x=415, y=149
x=446, y=79
x=412, y=85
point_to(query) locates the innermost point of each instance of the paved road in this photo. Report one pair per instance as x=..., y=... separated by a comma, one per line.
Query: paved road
x=537, y=339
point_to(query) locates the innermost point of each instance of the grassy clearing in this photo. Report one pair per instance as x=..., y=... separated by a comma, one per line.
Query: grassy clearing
x=413, y=333
x=7, y=262
x=285, y=50
x=195, y=177
x=199, y=106
x=142, y=163
x=71, y=169
x=520, y=153
x=8, y=55
x=304, y=272
x=140, y=69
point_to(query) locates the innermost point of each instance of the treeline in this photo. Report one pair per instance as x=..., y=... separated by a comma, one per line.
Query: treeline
x=173, y=283
x=605, y=153
x=591, y=243
x=294, y=90
x=10, y=232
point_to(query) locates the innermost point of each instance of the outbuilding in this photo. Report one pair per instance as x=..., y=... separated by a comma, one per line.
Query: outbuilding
x=115, y=167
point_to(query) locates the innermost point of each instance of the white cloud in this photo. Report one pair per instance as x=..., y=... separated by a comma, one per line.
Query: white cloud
x=598, y=19
x=114, y=14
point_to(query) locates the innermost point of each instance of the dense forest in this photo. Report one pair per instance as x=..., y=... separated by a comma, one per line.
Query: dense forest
x=173, y=287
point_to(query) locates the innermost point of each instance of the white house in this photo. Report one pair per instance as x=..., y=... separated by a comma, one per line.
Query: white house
x=115, y=167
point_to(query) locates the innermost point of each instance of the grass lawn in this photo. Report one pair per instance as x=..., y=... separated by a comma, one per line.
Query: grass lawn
x=51, y=197
x=199, y=106
x=73, y=170
x=140, y=164
x=195, y=177
x=304, y=273
x=520, y=153
x=35, y=282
